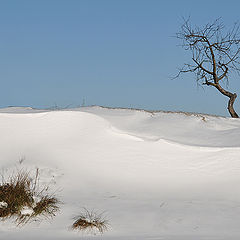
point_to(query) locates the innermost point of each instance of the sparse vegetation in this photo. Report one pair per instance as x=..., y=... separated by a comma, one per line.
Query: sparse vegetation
x=47, y=206
x=90, y=222
x=215, y=55
x=21, y=199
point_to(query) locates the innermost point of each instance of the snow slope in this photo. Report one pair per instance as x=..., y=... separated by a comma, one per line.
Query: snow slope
x=156, y=175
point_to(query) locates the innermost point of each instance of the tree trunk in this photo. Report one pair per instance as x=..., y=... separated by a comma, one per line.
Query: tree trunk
x=232, y=97
x=230, y=106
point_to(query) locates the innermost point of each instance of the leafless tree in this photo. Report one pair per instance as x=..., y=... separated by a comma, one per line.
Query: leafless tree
x=215, y=55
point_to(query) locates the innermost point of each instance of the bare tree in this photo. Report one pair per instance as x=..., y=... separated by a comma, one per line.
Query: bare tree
x=215, y=55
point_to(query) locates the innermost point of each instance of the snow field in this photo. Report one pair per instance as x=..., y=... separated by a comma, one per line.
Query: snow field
x=156, y=175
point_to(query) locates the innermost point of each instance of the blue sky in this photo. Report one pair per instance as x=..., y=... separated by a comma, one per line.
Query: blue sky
x=118, y=53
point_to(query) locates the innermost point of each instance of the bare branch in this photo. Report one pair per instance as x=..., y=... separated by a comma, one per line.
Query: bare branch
x=215, y=54
x=200, y=66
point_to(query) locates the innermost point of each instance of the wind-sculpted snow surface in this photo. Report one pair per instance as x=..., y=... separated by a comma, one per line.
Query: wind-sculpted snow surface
x=155, y=175
x=184, y=128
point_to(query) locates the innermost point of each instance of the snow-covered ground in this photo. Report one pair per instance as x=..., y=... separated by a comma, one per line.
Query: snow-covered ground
x=156, y=176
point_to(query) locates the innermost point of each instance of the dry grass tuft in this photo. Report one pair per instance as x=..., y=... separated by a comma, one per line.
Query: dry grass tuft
x=90, y=222
x=16, y=194
x=48, y=206
x=20, y=199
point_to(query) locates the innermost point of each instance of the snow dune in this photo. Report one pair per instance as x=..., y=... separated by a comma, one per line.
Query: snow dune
x=156, y=175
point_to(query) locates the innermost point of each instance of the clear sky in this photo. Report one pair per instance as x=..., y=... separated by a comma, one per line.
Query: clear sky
x=118, y=53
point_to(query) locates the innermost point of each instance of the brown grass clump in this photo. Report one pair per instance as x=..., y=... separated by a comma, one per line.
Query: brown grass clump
x=90, y=222
x=21, y=200
x=16, y=194
x=48, y=206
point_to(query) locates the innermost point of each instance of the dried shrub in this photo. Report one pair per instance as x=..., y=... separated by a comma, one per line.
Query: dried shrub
x=21, y=199
x=48, y=206
x=90, y=222
x=16, y=194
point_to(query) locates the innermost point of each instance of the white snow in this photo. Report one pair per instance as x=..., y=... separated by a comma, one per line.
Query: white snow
x=155, y=175
x=27, y=211
x=3, y=204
